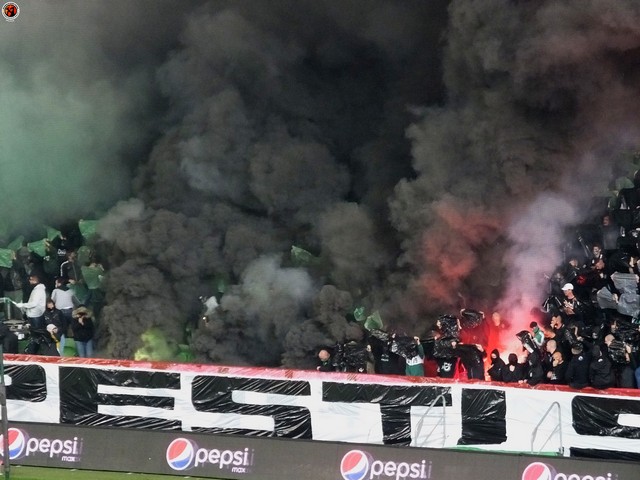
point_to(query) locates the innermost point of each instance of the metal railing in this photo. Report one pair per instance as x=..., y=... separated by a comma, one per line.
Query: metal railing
x=440, y=420
x=557, y=428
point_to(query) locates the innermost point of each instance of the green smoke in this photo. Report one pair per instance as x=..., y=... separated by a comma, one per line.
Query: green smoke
x=70, y=117
x=156, y=347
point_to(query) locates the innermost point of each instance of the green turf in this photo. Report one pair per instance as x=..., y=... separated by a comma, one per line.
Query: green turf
x=18, y=472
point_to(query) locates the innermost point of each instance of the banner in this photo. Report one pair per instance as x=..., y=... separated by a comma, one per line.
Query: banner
x=258, y=458
x=351, y=408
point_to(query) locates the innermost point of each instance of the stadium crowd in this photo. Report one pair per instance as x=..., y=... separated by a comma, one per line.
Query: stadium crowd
x=585, y=333
x=49, y=288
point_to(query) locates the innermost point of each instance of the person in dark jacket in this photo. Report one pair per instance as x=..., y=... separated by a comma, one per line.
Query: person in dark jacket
x=601, y=372
x=472, y=359
x=324, y=361
x=53, y=316
x=535, y=372
x=497, y=365
x=578, y=370
x=558, y=373
x=514, y=371
x=9, y=339
x=83, y=331
x=41, y=343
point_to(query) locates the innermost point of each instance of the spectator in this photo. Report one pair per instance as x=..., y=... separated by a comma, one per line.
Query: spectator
x=71, y=271
x=558, y=373
x=415, y=363
x=36, y=305
x=619, y=353
x=9, y=339
x=601, y=370
x=573, y=310
x=577, y=374
x=535, y=373
x=83, y=331
x=444, y=345
x=472, y=359
x=53, y=316
x=550, y=347
x=59, y=247
x=609, y=233
x=413, y=355
x=514, y=371
x=496, y=327
x=41, y=343
x=497, y=365
x=52, y=329
x=562, y=336
x=537, y=334
x=324, y=361
x=65, y=301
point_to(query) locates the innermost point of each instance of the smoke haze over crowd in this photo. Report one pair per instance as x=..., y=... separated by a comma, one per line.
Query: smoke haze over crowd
x=422, y=151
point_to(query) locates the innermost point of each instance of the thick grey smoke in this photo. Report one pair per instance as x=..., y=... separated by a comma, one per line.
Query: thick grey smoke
x=423, y=153
x=541, y=98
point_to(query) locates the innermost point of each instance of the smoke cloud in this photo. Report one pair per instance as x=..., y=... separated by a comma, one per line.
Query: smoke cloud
x=424, y=154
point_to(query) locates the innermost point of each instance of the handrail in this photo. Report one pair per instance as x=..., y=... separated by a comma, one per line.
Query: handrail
x=557, y=428
x=442, y=418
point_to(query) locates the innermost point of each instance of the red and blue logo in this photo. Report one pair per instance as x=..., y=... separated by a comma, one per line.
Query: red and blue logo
x=181, y=453
x=538, y=471
x=354, y=465
x=17, y=443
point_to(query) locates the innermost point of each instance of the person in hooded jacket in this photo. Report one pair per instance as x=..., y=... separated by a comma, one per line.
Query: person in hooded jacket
x=83, y=330
x=578, y=370
x=497, y=365
x=513, y=371
x=53, y=316
x=535, y=372
x=601, y=374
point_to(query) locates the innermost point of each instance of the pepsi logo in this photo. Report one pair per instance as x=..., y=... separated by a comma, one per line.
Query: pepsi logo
x=538, y=471
x=180, y=454
x=354, y=465
x=17, y=443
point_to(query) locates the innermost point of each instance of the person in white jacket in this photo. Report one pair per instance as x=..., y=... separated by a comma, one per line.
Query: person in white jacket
x=37, y=304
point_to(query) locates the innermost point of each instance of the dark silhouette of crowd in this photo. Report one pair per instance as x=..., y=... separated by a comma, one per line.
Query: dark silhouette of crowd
x=586, y=332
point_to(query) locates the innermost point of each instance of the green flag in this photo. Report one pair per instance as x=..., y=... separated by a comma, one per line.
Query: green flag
x=301, y=257
x=358, y=313
x=84, y=255
x=52, y=233
x=6, y=257
x=39, y=247
x=87, y=228
x=93, y=276
x=80, y=290
x=373, y=321
x=16, y=244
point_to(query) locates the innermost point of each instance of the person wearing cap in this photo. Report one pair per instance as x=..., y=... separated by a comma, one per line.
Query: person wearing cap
x=572, y=308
